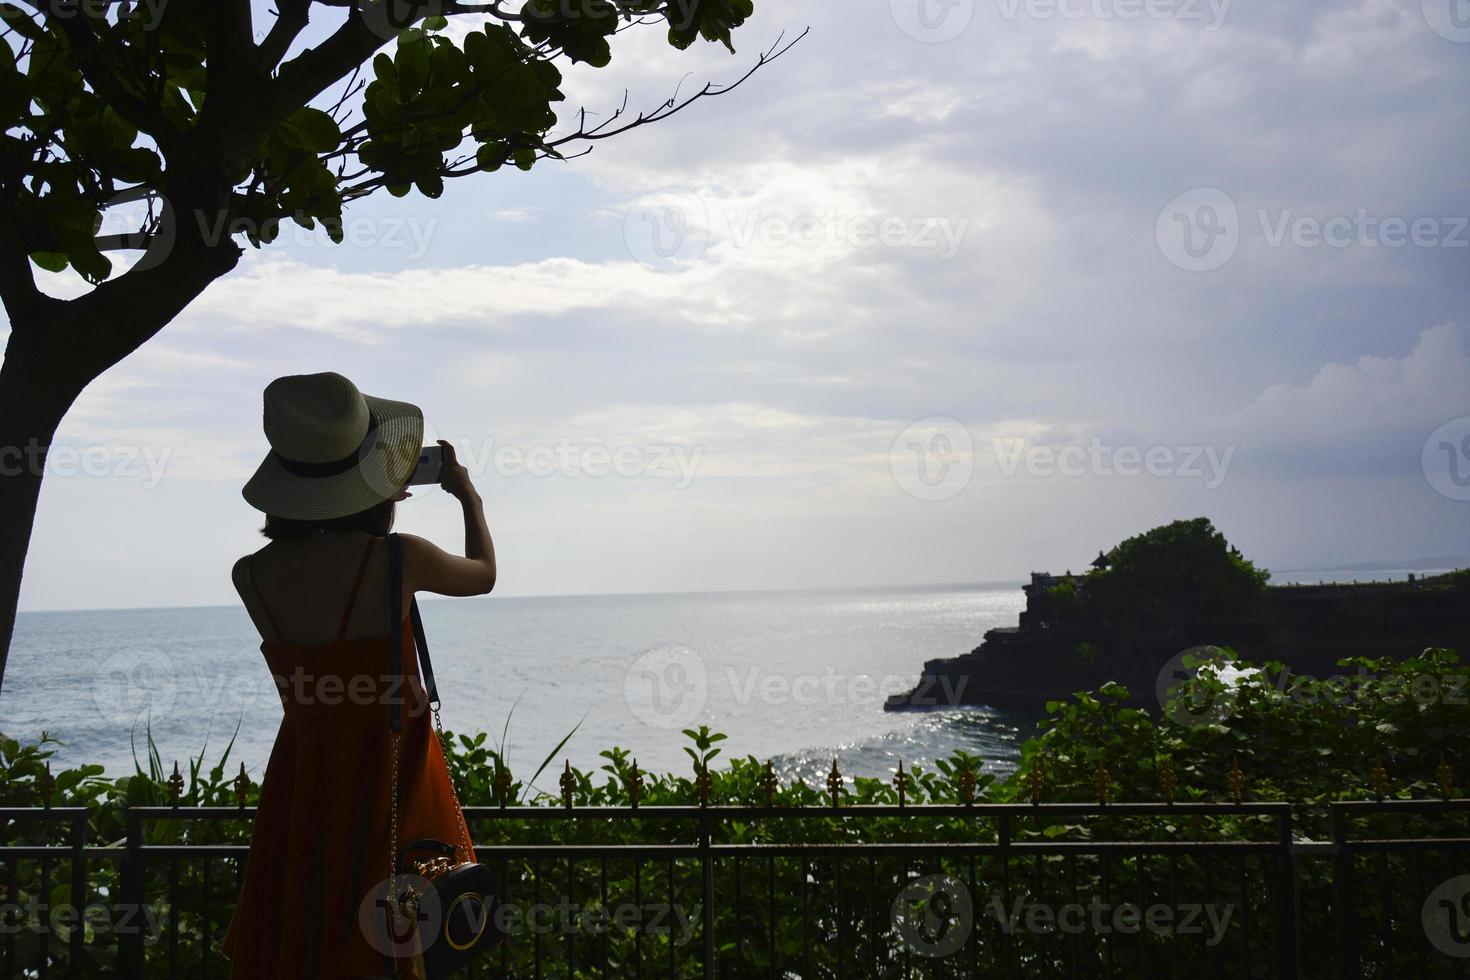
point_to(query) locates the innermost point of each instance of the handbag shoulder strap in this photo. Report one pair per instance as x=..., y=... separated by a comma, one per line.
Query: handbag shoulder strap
x=421, y=644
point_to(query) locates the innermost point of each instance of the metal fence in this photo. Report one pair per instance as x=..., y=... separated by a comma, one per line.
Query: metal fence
x=1042, y=889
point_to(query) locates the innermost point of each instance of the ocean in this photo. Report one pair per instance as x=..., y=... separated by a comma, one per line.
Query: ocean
x=796, y=677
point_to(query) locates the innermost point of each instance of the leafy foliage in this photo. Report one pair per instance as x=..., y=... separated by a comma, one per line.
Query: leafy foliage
x=177, y=103
x=1309, y=741
x=1176, y=581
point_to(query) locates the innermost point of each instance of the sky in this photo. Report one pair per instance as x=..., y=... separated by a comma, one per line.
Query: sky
x=953, y=291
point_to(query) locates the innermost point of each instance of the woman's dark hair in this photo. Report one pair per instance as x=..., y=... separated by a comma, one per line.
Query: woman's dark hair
x=376, y=520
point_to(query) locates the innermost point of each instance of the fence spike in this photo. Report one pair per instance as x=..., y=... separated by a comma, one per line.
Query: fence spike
x=242, y=786
x=834, y=785
x=1036, y=781
x=47, y=786
x=901, y=782
x=1168, y=781
x=1236, y=779
x=175, y=785
x=635, y=785
x=1102, y=782
x=769, y=783
x=568, y=785
x=1445, y=776
x=502, y=782
x=1378, y=779
x=702, y=783
x=966, y=778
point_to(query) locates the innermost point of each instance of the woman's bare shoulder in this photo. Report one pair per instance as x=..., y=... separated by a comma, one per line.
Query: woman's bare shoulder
x=240, y=573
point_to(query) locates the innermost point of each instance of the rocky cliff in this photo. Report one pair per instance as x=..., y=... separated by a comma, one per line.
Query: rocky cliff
x=1309, y=628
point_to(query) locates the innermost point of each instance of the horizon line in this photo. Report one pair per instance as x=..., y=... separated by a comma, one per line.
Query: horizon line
x=1406, y=566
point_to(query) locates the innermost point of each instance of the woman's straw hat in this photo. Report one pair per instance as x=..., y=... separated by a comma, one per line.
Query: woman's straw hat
x=334, y=450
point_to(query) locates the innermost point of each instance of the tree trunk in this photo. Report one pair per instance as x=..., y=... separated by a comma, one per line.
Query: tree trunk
x=36, y=389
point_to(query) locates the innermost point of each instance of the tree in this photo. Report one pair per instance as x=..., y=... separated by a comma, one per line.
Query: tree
x=1173, y=582
x=177, y=104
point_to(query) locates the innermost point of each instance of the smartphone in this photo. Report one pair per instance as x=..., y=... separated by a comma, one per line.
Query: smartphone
x=431, y=461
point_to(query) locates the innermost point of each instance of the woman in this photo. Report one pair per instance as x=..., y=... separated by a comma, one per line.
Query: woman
x=311, y=901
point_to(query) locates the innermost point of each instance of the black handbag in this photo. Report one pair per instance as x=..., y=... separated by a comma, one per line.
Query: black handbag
x=451, y=903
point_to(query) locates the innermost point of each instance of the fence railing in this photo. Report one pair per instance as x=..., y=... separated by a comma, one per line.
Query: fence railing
x=1064, y=889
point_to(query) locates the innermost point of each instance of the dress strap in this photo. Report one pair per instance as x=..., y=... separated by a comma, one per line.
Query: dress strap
x=250, y=579
x=356, y=585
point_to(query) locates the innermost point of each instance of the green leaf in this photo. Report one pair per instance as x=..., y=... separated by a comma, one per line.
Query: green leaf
x=316, y=130
x=50, y=261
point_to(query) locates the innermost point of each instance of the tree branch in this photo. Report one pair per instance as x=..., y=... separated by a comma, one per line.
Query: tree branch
x=291, y=19
x=312, y=72
x=18, y=290
x=229, y=55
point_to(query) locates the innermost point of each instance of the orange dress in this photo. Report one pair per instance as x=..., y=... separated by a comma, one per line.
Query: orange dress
x=319, y=849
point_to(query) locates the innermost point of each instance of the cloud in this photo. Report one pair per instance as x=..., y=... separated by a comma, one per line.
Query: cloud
x=1371, y=416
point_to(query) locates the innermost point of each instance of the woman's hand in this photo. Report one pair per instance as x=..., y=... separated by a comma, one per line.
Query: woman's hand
x=454, y=478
